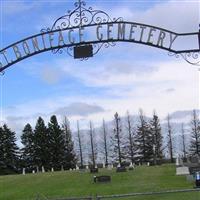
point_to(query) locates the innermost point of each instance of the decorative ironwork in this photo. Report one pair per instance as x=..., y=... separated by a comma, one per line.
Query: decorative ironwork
x=82, y=16
x=192, y=58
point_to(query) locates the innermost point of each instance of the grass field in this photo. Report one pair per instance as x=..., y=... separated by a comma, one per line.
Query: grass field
x=74, y=183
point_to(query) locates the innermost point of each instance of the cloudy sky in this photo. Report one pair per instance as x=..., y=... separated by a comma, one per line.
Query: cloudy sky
x=120, y=78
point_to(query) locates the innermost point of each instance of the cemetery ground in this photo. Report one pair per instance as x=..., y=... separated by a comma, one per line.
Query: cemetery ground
x=74, y=183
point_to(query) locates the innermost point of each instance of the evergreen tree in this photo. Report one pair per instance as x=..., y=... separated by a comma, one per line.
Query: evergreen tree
x=27, y=139
x=144, y=140
x=157, y=139
x=195, y=135
x=183, y=137
x=56, y=144
x=41, y=145
x=69, y=153
x=9, y=152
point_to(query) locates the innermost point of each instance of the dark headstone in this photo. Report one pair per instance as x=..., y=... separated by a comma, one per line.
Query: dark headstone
x=94, y=170
x=121, y=169
x=102, y=179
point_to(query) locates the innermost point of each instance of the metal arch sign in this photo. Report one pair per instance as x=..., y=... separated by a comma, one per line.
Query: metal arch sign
x=84, y=31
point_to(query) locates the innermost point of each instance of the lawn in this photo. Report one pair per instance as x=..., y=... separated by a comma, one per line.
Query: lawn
x=74, y=183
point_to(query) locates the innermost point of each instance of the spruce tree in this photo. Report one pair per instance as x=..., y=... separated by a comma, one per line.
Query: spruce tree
x=170, y=140
x=144, y=140
x=41, y=145
x=56, y=144
x=9, y=152
x=195, y=135
x=27, y=139
x=69, y=153
x=156, y=133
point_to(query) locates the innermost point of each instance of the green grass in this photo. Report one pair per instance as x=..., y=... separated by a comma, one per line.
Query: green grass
x=74, y=183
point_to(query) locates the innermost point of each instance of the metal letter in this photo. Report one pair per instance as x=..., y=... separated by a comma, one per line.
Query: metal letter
x=17, y=52
x=61, y=41
x=81, y=34
x=69, y=36
x=172, y=39
x=43, y=41
x=132, y=31
x=35, y=44
x=121, y=31
x=26, y=48
x=161, y=38
x=142, y=32
x=4, y=54
x=109, y=30
x=99, y=36
x=51, y=39
x=150, y=35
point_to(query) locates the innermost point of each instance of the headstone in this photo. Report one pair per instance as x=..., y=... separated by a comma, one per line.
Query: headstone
x=182, y=171
x=33, y=171
x=52, y=169
x=43, y=169
x=62, y=169
x=148, y=164
x=37, y=168
x=177, y=161
x=70, y=169
x=104, y=166
x=87, y=167
x=112, y=166
x=23, y=171
x=77, y=167
x=119, y=165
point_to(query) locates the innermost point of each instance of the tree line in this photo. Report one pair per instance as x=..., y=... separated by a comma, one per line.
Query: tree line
x=52, y=146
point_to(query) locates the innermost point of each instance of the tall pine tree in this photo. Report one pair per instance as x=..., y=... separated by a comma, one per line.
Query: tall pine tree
x=41, y=145
x=157, y=139
x=9, y=152
x=27, y=139
x=144, y=140
x=56, y=144
x=69, y=153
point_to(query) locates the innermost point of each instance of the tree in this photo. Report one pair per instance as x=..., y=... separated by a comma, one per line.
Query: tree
x=155, y=129
x=80, y=144
x=41, y=145
x=195, y=134
x=8, y=151
x=69, y=153
x=183, y=141
x=56, y=144
x=27, y=139
x=93, y=150
x=105, y=143
x=131, y=146
x=117, y=139
x=170, y=139
x=144, y=140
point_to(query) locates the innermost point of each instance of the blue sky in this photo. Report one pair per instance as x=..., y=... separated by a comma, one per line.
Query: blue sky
x=120, y=78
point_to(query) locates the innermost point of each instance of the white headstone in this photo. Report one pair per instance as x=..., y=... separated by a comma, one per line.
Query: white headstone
x=24, y=171
x=131, y=164
x=52, y=169
x=38, y=169
x=148, y=164
x=104, y=166
x=77, y=167
x=87, y=167
x=70, y=169
x=112, y=166
x=33, y=171
x=182, y=171
x=43, y=169
x=62, y=169
x=119, y=165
